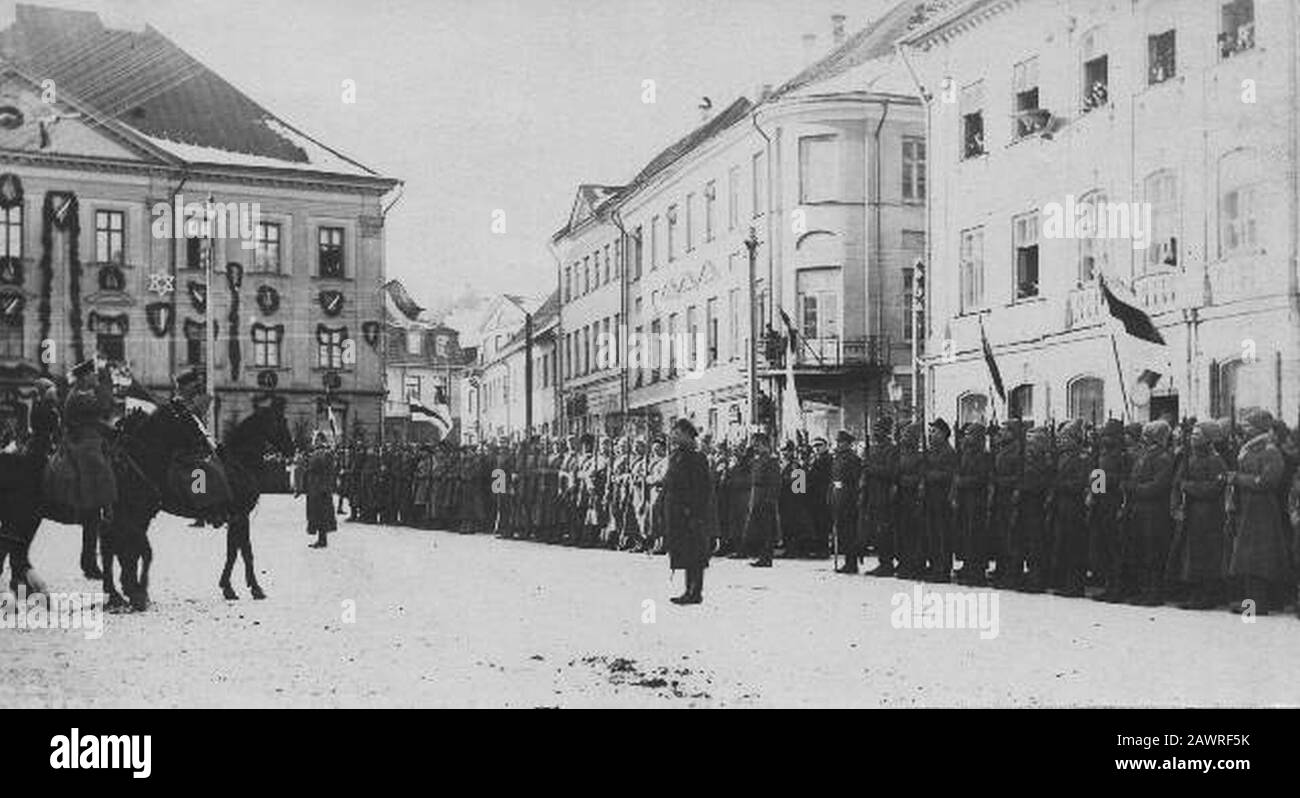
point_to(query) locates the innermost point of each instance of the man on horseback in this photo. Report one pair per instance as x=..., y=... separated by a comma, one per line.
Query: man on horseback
x=196, y=476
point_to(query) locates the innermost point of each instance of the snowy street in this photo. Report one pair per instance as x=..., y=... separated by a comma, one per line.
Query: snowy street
x=449, y=620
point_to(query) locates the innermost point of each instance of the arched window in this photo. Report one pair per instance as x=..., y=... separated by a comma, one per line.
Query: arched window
x=972, y=408
x=1020, y=402
x=1087, y=399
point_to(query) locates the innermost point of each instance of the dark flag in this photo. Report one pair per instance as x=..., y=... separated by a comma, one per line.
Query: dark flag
x=994, y=374
x=1136, y=322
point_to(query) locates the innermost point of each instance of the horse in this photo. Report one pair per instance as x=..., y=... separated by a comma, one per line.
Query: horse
x=142, y=456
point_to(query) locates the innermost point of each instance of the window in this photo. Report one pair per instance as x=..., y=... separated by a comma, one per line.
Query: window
x=972, y=120
x=672, y=233
x=710, y=209
x=606, y=342
x=638, y=251
x=618, y=257
x=194, y=343
x=818, y=169
x=670, y=343
x=194, y=249
x=733, y=197
x=692, y=331
x=329, y=352
x=1020, y=402
x=1096, y=83
x=1094, y=236
x=1029, y=117
x=690, y=222
x=971, y=269
x=733, y=323
x=1087, y=399
x=586, y=275
x=817, y=296
x=330, y=251
x=1024, y=234
x=110, y=336
x=1162, y=197
x=266, y=345
x=643, y=354
x=758, y=183
x=414, y=343
x=266, y=257
x=11, y=336
x=913, y=168
x=568, y=277
x=1236, y=27
x=1161, y=63
x=1239, y=206
x=11, y=231
x=909, y=303
x=656, y=346
x=655, y=245
x=411, y=388
x=110, y=236
x=711, y=330
x=972, y=408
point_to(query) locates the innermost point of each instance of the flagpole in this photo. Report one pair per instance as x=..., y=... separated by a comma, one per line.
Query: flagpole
x=1123, y=390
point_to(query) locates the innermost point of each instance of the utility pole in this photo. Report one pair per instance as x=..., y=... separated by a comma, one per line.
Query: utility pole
x=528, y=375
x=918, y=329
x=751, y=244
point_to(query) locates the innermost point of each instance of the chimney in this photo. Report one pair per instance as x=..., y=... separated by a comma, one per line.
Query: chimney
x=809, y=47
x=837, y=28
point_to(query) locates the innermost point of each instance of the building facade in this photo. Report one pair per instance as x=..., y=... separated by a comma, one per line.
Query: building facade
x=1177, y=116
x=503, y=390
x=100, y=255
x=425, y=370
x=824, y=177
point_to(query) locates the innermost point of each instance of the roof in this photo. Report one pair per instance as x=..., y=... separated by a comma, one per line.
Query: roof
x=546, y=313
x=146, y=82
x=733, y=113
x=953, y=15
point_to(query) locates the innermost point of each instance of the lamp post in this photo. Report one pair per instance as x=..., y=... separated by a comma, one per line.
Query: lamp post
x=209, y=329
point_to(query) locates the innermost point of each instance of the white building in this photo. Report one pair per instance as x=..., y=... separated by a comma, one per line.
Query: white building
x=1186, y=107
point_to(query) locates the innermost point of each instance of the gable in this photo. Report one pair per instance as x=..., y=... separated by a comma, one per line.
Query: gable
x=28, y=124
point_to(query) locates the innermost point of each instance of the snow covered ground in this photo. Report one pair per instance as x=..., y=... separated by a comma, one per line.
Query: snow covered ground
x=400, y=617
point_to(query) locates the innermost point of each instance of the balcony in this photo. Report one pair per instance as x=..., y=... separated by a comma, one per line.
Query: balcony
x=1084, y=306
x=1159, y=292
x=819, y=354
x=1243, y=278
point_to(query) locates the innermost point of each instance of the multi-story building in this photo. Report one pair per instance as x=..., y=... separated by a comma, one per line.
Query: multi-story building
x=589, y=260
x=514, y=330
x=92, y=173
x=1178, y=116
x=827, y=174
x=425, y=368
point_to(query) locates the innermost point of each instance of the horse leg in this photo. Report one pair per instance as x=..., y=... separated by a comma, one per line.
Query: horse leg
x=146, y=559
x=245, y=540
x=232, y=551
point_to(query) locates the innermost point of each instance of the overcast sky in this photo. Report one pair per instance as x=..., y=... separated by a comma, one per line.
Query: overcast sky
x=481, y=105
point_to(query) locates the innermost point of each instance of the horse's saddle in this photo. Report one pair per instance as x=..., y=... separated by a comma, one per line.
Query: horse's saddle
x=198, y=481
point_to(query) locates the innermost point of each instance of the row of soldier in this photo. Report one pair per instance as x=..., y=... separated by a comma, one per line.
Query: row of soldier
x=1202, y=514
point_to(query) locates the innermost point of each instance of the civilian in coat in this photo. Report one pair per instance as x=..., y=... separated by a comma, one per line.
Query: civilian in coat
x=688, y=516
x=1259, y=547
x=842, y=501
x=1196, y=558
x=318, y=483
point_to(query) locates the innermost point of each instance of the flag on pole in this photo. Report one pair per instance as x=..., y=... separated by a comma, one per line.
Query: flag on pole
x=432, y=415
x=791, y=411
x=994, y=373
x=1144, y=350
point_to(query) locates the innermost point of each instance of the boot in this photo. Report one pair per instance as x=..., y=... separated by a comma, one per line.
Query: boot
x=850, y=565
x=885, y=568
x=698, y=593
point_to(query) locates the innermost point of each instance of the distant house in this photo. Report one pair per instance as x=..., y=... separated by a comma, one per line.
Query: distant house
x=425, y=372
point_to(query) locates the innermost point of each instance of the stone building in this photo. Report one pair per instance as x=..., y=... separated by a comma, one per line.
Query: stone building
x=103, y=184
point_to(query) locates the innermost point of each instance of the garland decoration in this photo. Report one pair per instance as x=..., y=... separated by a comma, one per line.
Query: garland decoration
x=61, y=212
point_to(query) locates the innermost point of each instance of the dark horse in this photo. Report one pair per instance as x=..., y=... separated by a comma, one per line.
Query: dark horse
x=143, y=453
